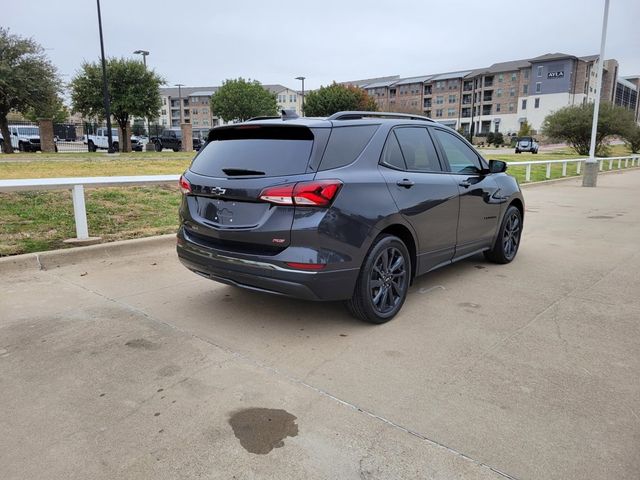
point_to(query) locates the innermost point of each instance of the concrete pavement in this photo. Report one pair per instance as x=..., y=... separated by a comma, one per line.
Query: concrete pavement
x=129, y=366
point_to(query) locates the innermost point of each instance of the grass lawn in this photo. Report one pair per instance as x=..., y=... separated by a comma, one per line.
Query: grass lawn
x=38, y=221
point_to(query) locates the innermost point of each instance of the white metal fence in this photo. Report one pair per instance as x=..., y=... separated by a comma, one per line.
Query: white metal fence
x=77, y=184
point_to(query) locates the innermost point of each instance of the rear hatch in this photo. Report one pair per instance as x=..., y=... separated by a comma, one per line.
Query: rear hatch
x=229, y=174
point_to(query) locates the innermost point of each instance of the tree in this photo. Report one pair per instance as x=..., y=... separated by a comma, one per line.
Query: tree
x=240, y=99
x=525, y=129
x=56, y=110
x=573, y=125
x=28, y=80
x=336, y=98
x=632, y=138
x=134, y=90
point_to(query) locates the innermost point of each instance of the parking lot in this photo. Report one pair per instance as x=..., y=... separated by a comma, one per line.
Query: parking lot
x=120, y=363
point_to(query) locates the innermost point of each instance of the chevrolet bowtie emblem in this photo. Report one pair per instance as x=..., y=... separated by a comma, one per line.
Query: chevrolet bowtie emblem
x=218, y=190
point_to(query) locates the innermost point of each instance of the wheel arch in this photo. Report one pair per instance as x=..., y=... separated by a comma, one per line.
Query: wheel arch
x=403, y=233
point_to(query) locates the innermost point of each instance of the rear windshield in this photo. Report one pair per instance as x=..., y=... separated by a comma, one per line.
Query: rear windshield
x=255, y=150
x=525, y=139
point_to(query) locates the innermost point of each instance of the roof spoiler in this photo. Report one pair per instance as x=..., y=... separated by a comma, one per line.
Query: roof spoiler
x=286, y=115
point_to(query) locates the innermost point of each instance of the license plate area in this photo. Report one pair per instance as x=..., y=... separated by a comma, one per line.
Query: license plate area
x=230, y=214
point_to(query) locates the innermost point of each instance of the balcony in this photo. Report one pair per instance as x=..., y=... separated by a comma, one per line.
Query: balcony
x=487, y=97
x=488, y=81
x=466, y=112
x=466, y=99
x=486, y=110
x=468, y=86
x=427, y=90
x=427, y=103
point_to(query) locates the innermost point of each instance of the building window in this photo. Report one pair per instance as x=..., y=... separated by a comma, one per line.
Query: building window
x=195, y=111
x=513, y=77
x=525, y=89
x=512, y=106
x=540, y=71
x=536, y=104
x=538, y=87
x=439, y=112
x=524, y=104
x=526, y=74
x=451, y=112
x=205, y=122
x=512, y=92
x=497, y=107
x=205, y=111
x=439, y=100
x=164, y=111
x=499, y=92
x=452, y=99
x=164, y=100
x=500, y=77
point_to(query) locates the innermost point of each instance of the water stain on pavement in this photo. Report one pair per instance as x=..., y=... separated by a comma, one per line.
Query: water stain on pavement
x=142, y=343
x=600, y=217
x=260, y=430
x=169, y=370
x=469, y=305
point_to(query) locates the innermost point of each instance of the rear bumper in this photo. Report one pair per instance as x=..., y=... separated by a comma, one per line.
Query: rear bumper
x=265, y=274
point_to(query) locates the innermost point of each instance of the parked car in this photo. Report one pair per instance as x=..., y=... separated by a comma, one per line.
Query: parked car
x=172, y=138
x=527, y=144
x=100, y=140
x=25, y=138
x=350, y=207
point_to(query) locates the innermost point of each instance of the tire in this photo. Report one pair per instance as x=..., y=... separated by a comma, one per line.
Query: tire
x=507, y=241
x=535, y=152
x=178, y=147
x=21, y=147
x=157, y=146
x=92, y=146
x=517, y=151
x=116, y=146
x=379, y=304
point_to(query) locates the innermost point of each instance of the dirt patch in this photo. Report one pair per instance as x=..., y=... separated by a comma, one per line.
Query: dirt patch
x=260, y=430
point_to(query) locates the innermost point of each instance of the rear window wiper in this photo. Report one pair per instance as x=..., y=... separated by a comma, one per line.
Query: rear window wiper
x=235, y=172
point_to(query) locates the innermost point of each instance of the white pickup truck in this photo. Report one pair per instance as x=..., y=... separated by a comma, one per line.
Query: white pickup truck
x=25, y=138
x=100, y=140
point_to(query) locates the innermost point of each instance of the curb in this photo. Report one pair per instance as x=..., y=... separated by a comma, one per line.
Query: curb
x=69, y=256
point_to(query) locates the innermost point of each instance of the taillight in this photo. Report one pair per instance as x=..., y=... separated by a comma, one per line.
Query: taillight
x=185, y=186
x=306, y=266
x=318, y=193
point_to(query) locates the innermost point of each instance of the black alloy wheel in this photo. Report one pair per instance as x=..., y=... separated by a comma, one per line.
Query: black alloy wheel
x=508, y=240
x=383, y=282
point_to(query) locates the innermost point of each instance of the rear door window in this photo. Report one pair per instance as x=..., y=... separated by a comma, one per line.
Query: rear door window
x=255, y=150
x=346, y=144
x=417, y=149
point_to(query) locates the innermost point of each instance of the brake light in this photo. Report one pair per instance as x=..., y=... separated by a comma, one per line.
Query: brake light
x=318, y=193
x=185, y=186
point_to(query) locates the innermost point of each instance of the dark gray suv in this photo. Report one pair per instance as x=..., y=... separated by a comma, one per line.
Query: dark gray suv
x=350, y=207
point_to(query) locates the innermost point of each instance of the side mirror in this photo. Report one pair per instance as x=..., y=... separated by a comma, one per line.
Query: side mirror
x=535, y=140
x=497, y=166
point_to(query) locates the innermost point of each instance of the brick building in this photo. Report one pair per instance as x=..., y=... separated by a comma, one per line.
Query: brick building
x=499, y=98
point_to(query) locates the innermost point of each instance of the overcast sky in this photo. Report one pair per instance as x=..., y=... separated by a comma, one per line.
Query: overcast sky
x=201, y=43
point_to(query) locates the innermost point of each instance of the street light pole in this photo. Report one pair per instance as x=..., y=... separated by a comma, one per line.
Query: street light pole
x=302, y=80
x=144, y=54
x=180, y=85
x=590, y=177
x=105, y=88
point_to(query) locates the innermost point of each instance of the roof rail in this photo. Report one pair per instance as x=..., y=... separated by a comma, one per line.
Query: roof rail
x=352, y=115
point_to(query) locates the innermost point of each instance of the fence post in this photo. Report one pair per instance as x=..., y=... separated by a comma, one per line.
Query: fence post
x=578, y=166
x=610, y=164
x=527, y=175
x=619, y=163
x=564, y=169
x=187, y=137
x=548, y=174
x=46, y=135
x=601, y=163
x=80, y=212
x=626, y=162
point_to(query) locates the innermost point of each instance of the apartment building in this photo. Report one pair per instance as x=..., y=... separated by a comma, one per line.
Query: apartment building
x=287, y=98
x=499, y=98
x=194, y=103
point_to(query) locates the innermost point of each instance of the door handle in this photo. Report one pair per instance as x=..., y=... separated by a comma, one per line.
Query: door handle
x=465, y=184
x=406, y=183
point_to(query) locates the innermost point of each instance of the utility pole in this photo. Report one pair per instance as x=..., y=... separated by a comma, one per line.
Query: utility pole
x=302, y=80
x=591, y=166
x=105, y=88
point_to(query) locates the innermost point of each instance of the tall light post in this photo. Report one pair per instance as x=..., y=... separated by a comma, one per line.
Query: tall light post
x=144, y=54
x=302, y=80
x=180, y=85
x=105, y=88
x=591, y=166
